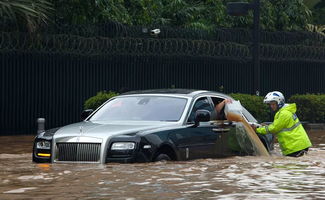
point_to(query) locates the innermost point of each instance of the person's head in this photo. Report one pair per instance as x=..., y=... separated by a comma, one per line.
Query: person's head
x=275, y=100
x=273, y=105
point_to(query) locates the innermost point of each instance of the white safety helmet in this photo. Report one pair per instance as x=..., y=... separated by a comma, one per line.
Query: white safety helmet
x=275, y=96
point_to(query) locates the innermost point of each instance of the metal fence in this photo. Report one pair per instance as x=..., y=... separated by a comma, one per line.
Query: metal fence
x=52, y=75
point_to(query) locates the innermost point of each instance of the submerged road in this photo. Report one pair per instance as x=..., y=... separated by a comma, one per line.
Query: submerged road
x=275, y=177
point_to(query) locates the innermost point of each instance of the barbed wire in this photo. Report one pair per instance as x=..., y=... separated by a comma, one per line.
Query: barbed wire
x=219, y=34
x=72, y=44
x=113, y=29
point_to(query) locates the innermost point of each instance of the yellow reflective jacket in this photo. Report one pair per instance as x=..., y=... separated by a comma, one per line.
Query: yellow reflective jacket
x=291, y=134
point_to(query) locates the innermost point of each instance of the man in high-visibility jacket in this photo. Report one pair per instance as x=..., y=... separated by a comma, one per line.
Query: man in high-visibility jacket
x=291, y=135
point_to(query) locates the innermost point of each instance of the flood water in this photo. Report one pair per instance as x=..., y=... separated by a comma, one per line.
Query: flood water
x=274, y=177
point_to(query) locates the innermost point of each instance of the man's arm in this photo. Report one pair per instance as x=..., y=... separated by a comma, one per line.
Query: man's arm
x=222, y=104
x=277, y=125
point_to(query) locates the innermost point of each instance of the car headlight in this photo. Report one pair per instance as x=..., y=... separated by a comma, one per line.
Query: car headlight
x=44, y=144
x=123, y=146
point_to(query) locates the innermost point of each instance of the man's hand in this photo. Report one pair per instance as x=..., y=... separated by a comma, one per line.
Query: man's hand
x=227, y=101
x=222, y=104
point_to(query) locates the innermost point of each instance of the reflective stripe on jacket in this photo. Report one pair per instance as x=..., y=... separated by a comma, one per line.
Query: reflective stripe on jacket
x=291, y=134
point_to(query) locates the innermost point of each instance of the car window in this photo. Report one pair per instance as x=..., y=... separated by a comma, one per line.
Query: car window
x=216, y=101
x=141, y=108
x=200, y=104
x=222, y=116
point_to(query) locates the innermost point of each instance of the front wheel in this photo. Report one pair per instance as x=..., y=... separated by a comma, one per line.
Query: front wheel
x=162, y=157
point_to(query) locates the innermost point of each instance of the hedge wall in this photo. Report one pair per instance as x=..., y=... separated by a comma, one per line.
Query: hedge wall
x=310, y=107
x=100, y=98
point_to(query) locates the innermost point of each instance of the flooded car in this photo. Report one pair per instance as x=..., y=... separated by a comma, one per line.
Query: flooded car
x=146, y=126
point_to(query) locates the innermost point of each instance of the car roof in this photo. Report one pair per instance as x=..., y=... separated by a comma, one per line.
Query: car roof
x=179, y=92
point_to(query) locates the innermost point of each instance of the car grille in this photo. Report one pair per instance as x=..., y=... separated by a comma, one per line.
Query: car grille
x=78, y=152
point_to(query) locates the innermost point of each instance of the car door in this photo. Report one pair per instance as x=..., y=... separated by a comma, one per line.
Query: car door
x=227, y=145
x=200, y=141
x=236, y=139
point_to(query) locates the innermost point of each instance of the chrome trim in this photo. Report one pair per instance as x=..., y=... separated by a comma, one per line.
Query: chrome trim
x=154, y=94
x=147, y=146
x=78, y=152
x=78, y=139
x=180, y=121
x=77, y=145
x=190, y=108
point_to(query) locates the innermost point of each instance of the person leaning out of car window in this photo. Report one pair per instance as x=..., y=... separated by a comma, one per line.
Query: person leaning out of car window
x=220, y=109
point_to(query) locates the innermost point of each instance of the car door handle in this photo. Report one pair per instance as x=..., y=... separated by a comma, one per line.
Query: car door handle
x=220, y=129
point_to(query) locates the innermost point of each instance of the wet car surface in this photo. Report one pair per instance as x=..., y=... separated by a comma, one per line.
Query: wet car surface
x=146, y=126
x=247, y=177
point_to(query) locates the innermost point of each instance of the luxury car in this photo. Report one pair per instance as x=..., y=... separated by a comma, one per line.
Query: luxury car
x=145, y=126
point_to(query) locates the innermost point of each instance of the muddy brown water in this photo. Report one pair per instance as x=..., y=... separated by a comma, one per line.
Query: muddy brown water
x=260, y=148
x=274, y=177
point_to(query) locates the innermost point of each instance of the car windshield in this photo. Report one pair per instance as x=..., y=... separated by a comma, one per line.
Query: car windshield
x=144, y=108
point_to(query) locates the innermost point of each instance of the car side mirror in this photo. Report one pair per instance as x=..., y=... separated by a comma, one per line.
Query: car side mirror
x=202, y=116
x=86, y=113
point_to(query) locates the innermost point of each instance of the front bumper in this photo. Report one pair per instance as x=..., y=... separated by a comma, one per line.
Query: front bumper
x=138, y=154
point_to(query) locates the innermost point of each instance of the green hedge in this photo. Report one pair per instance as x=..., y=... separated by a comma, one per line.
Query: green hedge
x=254, y=104
x=310, y=107
x=95, y=101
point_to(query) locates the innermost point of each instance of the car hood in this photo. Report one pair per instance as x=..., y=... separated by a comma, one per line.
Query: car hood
x=98, y=129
